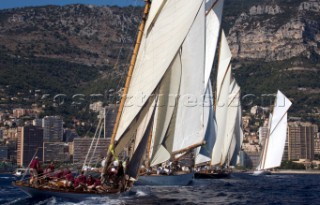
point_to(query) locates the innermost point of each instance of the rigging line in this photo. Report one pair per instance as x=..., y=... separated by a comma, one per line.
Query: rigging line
x=29, y=164
x=96, y=145
x=121, y=80
x=85, y=160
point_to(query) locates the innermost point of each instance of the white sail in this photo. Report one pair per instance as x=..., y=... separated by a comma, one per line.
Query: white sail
x=167, y=97
x=277, y=135
x=141, y=130
x=204, y=153
x=232, y=113
x=154, y=12
x=158, y=48
x=222, y=94
x=238, y=137
x=132, y=131
x=213, y=22
x=189, y=119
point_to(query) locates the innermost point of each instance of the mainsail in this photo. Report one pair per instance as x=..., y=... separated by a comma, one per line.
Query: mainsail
x=275, y=141
x=159, y=46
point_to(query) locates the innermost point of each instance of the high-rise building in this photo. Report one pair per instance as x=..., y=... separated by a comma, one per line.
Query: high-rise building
x=56, y=151
x=3, y=153
x=52, y=129
x=81, y=147
x=317, y=144
x=30, y=142
x=300, y=141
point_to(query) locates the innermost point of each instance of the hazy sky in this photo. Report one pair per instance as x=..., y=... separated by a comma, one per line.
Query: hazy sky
x=4, y=4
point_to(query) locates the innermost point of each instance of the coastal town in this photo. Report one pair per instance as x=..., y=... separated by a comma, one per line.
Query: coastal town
x=24, y=134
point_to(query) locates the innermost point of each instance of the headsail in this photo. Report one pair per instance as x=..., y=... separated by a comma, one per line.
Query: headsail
x=167, y=100
x=274, y=146
x=189, y=119
x=204, y=153
x=237, y=137
x=232, y=113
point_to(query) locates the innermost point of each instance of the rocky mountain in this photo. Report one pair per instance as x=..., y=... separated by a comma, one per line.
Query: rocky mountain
x=275, y=45
x=84, y=48
x=277, y=31
x=82, y=34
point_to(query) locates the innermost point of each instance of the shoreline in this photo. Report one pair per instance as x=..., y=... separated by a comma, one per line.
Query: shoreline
x=287, y=171
x=292, y=171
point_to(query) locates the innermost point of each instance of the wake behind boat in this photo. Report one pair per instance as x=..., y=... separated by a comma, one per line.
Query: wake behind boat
x=261, y=172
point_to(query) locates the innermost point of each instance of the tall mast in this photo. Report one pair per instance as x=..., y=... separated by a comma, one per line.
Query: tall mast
x=148, y=149
x=128, y=80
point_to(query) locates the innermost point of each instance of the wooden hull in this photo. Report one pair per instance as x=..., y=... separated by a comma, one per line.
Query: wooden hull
x=261, y=172
x=69, y=194
x=165, y=180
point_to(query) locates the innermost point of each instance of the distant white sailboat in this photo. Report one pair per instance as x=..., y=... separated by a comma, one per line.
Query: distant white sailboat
x=275, y=141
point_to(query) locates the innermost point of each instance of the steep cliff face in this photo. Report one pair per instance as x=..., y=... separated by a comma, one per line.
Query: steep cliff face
x=83, y=34
x=277, y=32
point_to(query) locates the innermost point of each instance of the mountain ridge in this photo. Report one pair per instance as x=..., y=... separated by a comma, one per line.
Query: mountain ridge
x=268, y=41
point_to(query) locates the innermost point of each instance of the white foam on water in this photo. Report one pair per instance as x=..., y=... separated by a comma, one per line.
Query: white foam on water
x=7, y=177
x=14, y=201
x=141, y=193
x=48, y=201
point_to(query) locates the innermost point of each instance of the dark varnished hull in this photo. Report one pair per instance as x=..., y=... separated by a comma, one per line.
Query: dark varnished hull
x=199, y=175
x=68, y=194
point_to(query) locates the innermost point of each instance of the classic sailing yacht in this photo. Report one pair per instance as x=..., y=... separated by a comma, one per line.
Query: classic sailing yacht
x=185, y=127
x=231, y=141
x=163, y=99
x=275, y=141
x=135, y=130
x=220, y=122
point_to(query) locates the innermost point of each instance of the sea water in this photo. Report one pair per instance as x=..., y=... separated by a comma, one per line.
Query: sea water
x=240, y=188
